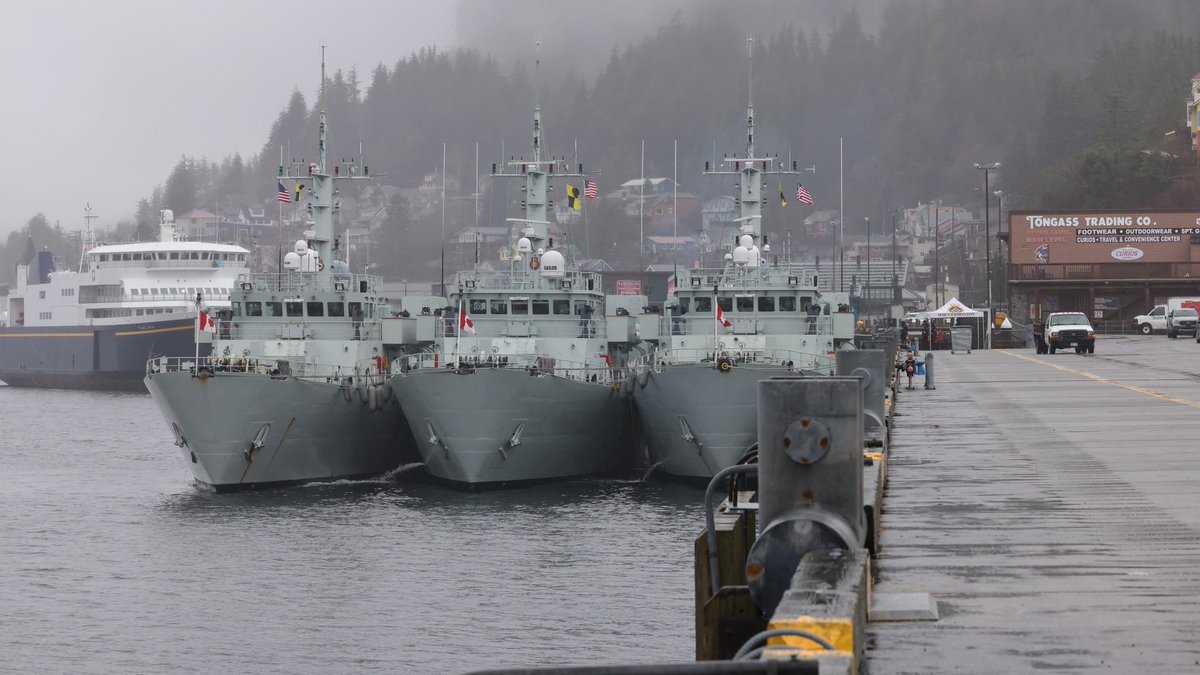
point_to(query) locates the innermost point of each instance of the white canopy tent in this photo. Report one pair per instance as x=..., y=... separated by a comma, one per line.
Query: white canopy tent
x=955, y=309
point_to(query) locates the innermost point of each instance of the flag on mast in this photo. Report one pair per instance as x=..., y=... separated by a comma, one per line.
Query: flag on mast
x=802, y=194
x=573, y=197
x=721, y=320
x=207, y=325
x=782, y=199
x=590, y=190
x=283, y=195
x=465, y=325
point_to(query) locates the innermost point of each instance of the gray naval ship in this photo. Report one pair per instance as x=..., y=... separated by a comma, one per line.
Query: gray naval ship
x=726, y=329
x=294, y=390
x=522, y=382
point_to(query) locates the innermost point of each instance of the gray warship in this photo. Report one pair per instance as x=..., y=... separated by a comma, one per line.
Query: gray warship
x=522, y=381
x=727, y=328
x=294, y=389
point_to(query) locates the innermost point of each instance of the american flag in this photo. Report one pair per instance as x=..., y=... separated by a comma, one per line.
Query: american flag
x=802, y=194
x=589, y=189
x=282, y=195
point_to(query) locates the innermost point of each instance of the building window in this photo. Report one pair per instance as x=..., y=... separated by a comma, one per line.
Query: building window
x=42, y=295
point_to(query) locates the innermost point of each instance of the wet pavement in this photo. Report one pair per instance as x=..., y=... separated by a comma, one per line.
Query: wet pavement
x=1050, y=505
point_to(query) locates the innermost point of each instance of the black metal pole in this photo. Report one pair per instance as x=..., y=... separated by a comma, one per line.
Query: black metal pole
x=868, y=284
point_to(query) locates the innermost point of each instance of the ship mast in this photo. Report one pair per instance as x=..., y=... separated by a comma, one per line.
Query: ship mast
x=752, y=170
x=536, y=174
x=89, y=236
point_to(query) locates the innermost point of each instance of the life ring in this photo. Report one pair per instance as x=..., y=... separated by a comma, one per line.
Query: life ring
x=535, y=263
x=320, y=265
x=724, y=364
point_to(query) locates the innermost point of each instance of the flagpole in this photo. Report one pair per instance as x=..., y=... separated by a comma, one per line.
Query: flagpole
x=716, y=343
x=641, y=210
x=279, y=230
x=675, y=211
x=443, y=269
x=458, y=328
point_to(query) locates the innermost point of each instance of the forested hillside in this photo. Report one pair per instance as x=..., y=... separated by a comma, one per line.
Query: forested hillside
x=1064, y=94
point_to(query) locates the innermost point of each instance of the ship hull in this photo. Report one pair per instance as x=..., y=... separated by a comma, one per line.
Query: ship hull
x=314, y=432
x=465, y=426
x=718, y=411
x=90, y=357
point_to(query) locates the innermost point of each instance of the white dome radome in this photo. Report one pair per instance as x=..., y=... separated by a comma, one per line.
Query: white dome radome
x=168, y=216
x=728, y=257
x=766, y=248
x=755, y=256
x=291, y=261
x=553, y=265
x=524, y=245
x=301, y=247
x=741, y=255
x=746, y=241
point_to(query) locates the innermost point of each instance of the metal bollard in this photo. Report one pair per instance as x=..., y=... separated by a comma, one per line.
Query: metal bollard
x=810, y=486
x=929, y=371
x=871, y=366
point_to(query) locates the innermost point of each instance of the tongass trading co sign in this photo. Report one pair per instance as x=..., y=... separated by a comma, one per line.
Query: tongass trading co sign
x=1083, y=237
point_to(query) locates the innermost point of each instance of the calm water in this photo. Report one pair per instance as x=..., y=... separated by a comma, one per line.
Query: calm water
x=110, y=560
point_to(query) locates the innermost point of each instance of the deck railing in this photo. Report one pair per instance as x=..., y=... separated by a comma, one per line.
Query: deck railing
x=531, y=364
x=364, y=372
x=794, y=360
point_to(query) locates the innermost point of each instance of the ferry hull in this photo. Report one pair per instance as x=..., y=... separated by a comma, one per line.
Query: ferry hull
x=697, y=420
x=90, y=357
x=498, y=426
x=314, y=432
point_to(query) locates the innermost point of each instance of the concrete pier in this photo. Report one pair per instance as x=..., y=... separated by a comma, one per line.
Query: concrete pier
x=1051, y=506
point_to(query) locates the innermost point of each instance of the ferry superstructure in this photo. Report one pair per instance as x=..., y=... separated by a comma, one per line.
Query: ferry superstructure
x=294, y=388
x=727, y=328
x=94, y=327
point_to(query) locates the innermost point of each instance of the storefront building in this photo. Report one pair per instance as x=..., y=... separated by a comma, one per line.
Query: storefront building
x=1113, y=265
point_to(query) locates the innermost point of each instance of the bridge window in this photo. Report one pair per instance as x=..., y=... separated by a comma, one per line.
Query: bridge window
x=541, y=306
x=254, y=308
x=336, y=309
x=316, y=309
x=273, y=308
x=520, y=306
x=294, y=308
x=725, y=303
x=237, y=308
x=478, y=306
x=174, y=255
x=499, y=307
x=766, y=303
x=562, y=307
x=787, y=303
x=745, y=303
x=704, y=304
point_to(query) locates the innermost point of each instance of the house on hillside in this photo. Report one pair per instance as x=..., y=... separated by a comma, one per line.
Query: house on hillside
x=632, y=189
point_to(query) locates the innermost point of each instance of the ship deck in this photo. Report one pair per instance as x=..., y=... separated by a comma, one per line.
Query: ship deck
x=1048, y=505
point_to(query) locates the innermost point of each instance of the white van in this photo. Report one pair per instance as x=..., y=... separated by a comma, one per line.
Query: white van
x=1156, y=318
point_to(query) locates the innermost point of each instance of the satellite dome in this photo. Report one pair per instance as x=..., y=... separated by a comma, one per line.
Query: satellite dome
x=741, y=255
x=728, y=257
x=168, y=216
x=301, y=247
x=766, y=248
x=553, y=265
x=541, y=250
x=524, y=245
x=746, y=241
x=755, y=256
x=291, y=261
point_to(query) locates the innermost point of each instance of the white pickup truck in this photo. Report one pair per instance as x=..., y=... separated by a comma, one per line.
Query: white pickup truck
x=1070, y=329
x=1155, y=321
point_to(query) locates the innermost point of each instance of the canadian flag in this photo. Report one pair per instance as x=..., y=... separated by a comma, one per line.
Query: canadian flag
x=721, y=318
x=465, y=324
x=206, y=323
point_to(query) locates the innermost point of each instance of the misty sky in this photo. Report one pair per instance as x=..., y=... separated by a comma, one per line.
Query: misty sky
x=101, y=98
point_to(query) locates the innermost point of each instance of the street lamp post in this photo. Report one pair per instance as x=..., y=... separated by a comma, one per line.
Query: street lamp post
x=895, y=275
x=868, y=284
x=1008, y=250
x=987, y=237
x=937, y=268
